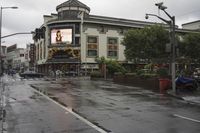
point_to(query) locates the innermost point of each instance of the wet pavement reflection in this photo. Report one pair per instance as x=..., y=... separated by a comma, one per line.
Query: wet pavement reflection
x=123, y=109
x=29, y=112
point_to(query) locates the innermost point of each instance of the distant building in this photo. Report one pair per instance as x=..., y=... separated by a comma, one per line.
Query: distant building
x=3, y=50
x=17, y=58
x=195, y=25
x=3, y=56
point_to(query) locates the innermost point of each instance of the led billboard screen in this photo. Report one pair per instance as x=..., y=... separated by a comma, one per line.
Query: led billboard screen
x=61, y=36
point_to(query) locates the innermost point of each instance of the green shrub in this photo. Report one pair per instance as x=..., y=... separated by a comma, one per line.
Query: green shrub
x=148, y=75
x=96, y=74
x=139, y=72
x=143, y=71
x=162, y=72
x=118, y=73
x=131, y=74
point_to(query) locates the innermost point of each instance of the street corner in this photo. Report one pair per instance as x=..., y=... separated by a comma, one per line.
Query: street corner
x=189, y=97
x=195, y=100
x=174, y=95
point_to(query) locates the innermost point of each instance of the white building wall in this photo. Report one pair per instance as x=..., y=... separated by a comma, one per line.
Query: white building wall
x=102, y=43
x=10, y=55
x=192, y=26
x=18, y=61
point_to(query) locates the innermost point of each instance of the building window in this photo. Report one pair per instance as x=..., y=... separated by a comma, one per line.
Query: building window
x=77, y=41
x=112, y=47
x=21, y=55
x=112, y=53
x=92, y=53
x=77, y=29
x=92, y=46
x=92, y=39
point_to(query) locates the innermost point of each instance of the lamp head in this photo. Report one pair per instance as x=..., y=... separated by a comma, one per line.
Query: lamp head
x=163, y=7
x=159, y=4
x=14, y=7
x=32, y=32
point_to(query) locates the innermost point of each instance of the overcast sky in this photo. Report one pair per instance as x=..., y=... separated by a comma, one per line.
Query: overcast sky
x=30, y=13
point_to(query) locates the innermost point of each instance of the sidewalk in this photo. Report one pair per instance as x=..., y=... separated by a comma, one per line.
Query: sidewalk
x=189, y=97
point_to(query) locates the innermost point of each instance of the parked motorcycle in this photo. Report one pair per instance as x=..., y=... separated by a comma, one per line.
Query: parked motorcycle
x=186, y=84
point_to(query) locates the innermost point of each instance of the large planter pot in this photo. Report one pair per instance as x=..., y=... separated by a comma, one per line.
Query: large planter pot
x=164, y=84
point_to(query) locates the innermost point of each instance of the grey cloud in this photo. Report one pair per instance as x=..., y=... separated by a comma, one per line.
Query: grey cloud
x=30, y=13
x=22, y=20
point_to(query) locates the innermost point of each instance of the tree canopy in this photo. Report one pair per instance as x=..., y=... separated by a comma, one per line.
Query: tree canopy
x=111, y=65
x=190, y=46
x=148, y=43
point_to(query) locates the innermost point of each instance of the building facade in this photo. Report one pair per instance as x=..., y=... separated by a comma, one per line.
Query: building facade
x=3, y=57
x=17, y=59
x=72, y=39
x=195, y=25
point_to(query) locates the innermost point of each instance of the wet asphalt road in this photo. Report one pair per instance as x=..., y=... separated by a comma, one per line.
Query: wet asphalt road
x=115, y=108
x=124, y=109
x=28, y=112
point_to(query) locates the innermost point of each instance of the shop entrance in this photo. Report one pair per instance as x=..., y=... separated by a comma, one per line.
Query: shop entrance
x=65, y=69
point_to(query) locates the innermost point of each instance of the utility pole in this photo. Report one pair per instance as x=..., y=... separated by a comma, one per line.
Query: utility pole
x=172, y=25
x=173, y=56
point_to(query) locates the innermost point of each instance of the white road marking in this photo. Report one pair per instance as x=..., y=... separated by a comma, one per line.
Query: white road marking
x=73, y=113
x=187, y=118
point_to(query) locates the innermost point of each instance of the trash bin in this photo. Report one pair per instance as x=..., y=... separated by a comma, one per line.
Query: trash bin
x=164, y=84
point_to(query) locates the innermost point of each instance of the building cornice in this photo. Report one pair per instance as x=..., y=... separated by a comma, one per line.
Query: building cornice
x=105, y=18
x=111, y=21
x=131, y=25
x=190, y=22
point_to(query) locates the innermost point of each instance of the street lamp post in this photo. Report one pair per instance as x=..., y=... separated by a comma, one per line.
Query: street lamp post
x=172, y=25
x=1, y=71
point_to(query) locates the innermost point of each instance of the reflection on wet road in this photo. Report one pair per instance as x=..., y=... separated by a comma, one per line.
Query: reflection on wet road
x=29, y=112
x=123, y=109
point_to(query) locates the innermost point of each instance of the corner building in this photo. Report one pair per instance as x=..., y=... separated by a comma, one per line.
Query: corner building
x=71, y=39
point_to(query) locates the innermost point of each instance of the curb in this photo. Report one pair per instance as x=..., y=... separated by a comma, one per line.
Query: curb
x=175, y=96
x=181, y=98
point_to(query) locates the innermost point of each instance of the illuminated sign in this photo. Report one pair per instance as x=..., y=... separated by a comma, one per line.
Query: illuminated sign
x=61, y=36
